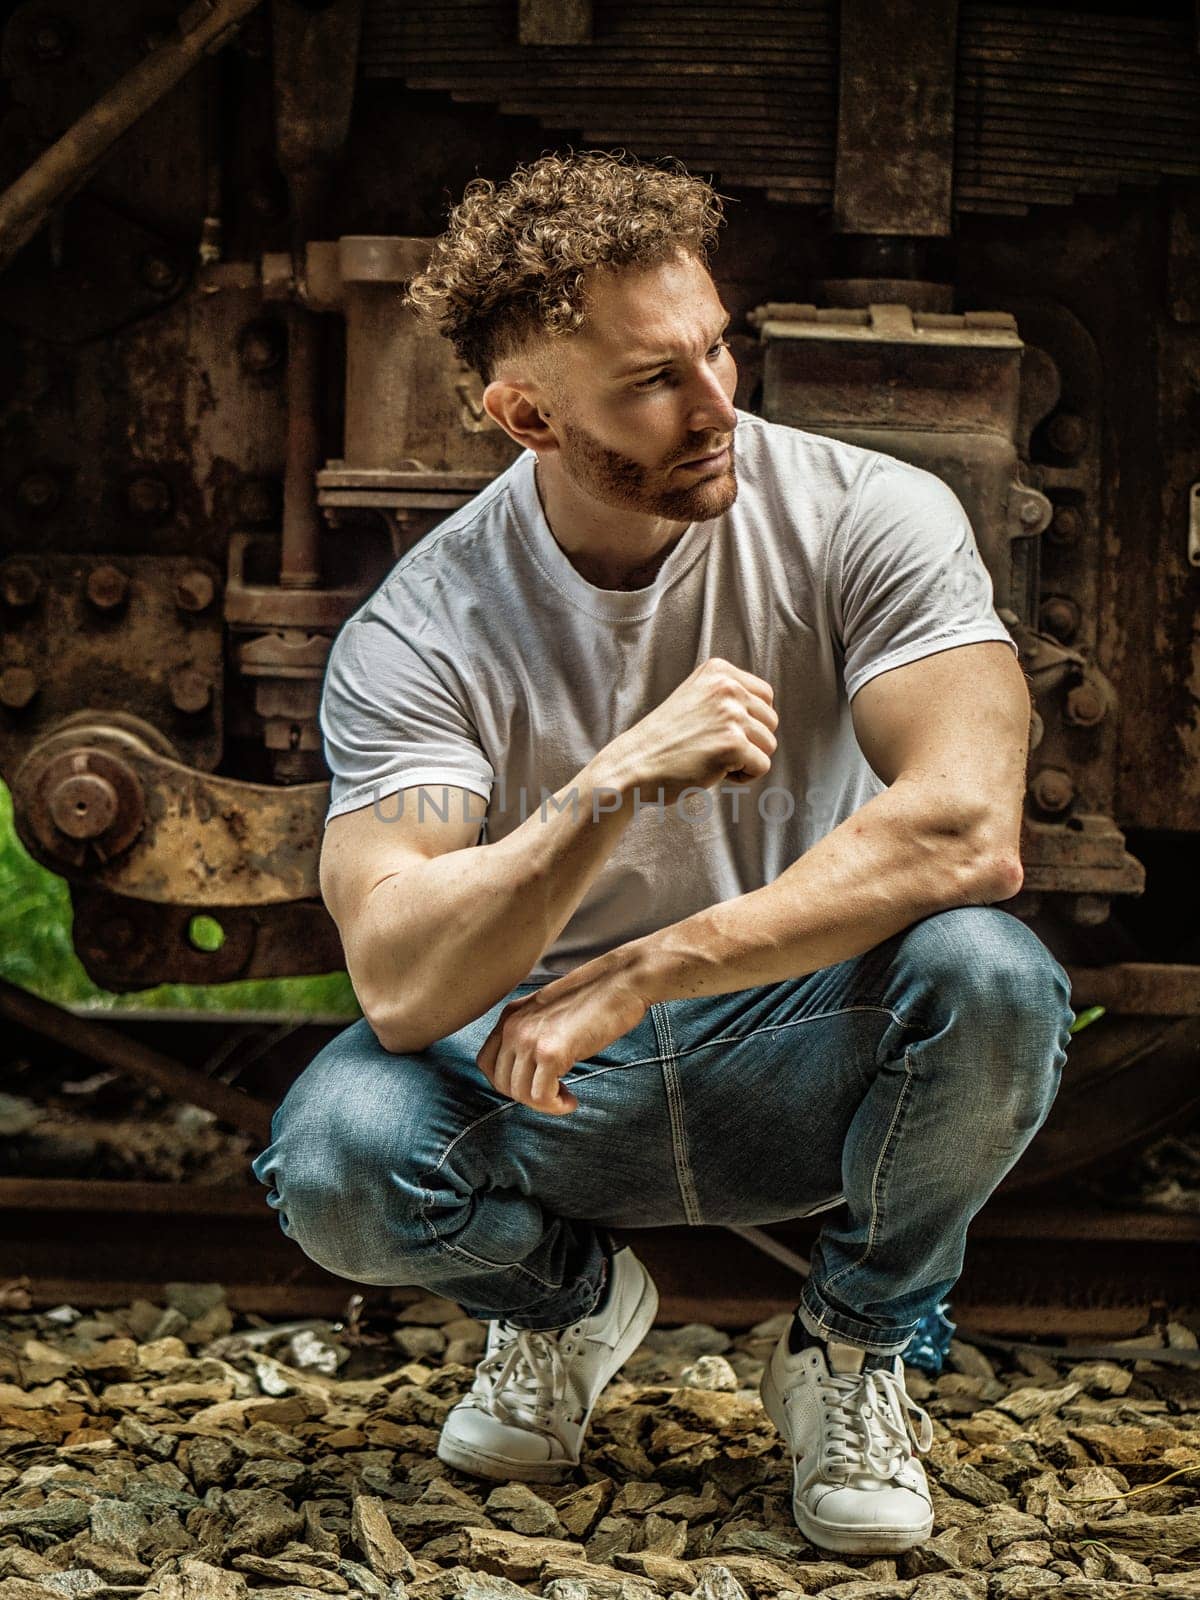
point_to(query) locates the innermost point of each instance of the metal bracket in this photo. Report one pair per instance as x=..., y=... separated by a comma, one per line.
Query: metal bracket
x=186, y=838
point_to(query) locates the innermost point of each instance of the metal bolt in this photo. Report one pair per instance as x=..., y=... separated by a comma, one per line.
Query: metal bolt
x=38, y=491
x=1067, y=525
x=195, y=591
x=1031, y=512
x=50, y=40
x=1059, y=617
x=83, y=805
x=1089, y=910
x=158, y=273
x=148, y=496
x=261, y=347
x=19, y=584
x=17, y=687
x=1052, y=789
x=106, y=587
x=190, y=690
x=1085, y=705
x=1068, y=433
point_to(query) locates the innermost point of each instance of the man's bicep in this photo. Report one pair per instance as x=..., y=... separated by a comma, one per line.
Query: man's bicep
x=959, y=718
x=362, y=848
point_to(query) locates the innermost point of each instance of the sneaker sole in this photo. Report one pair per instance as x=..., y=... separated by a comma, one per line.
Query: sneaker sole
x=869, y=1541
x=482, y=1465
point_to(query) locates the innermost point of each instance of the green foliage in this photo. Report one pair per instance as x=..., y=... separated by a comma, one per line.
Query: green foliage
x=36, y=952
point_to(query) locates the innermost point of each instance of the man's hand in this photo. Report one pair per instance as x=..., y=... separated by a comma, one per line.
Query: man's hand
x=718, y=724
x=541, y=1036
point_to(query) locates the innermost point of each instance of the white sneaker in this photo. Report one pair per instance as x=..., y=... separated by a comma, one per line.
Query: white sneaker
x=858, y=1487
x=527, y=1411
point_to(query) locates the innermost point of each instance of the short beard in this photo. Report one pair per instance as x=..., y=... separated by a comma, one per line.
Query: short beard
x=618, y=480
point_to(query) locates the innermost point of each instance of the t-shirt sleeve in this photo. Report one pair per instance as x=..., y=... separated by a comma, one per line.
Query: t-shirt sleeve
x=906, y=576
x=394, y=716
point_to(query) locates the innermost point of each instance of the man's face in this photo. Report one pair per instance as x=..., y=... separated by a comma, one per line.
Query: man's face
x=644, y=394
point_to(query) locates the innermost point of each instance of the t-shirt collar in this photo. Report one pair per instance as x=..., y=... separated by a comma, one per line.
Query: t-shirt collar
x=558, y=568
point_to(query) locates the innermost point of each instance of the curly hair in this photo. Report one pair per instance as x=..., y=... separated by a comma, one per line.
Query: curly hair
x=514, y=259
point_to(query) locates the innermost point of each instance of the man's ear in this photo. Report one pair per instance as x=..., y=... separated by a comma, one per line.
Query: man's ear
x=523, y=412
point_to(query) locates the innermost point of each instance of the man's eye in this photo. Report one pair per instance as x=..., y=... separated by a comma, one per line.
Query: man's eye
x=721, y=344
x=650, y=383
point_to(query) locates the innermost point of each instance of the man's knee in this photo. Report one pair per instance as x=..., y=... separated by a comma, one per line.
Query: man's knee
x=345, y=1161
x=982, y=973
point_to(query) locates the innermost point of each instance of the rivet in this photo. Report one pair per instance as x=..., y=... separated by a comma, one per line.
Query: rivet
x=1059, y=617
x=1068, y=433
x=19, y=584
x=1052, y=789
x=195, y=590
x=148, y=497
x=261, y=346
x=18, y=685
x=190, y=690
x=158, y=272
x=1085, y=705
x=107, y=587
x=39, y=491
x=1066, y=526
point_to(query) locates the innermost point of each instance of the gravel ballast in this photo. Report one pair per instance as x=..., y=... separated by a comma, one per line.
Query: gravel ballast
x=163, y=1451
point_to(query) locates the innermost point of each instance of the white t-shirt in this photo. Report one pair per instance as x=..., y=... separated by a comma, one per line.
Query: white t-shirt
x=485, y=662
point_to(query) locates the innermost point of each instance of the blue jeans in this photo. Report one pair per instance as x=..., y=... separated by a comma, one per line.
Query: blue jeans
x=894, y=1090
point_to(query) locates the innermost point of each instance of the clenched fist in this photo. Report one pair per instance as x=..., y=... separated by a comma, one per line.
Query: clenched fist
x=719, y=724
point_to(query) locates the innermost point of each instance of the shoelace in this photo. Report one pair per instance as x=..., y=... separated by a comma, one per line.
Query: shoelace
x=520, y=1379
x=869, y=1425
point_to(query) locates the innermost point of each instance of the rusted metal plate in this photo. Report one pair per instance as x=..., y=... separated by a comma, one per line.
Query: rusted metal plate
x=1139, y=988
x=201, y=840
x=886, y=367
x=554, y=21
x=895, y=135
x=113, y=634
x=126, y=945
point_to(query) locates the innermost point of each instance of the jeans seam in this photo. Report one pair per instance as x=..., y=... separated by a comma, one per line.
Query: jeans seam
x=795, y=1022
x=877, y=1177
x=428, y=1197
x=679, y=1141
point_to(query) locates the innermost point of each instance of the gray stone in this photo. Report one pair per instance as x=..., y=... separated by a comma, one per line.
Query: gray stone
x=56, y=1519
x=118, y=1525
x=372, y=1533
x=276, y=1569
x=192, y=1300
x=75, y=1580
x=970, y=1484
x=489, y=1586
x=263, y=1529
x=197, y=1580
x=362, y=1580
x=516, y=1506
x=710, y=1372
x=718, y=1583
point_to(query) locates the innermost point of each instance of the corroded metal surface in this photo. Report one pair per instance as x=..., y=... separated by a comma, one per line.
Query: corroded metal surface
x=175, y=835
x=899, y=100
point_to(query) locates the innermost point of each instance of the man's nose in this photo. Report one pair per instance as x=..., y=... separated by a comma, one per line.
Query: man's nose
x=711, y=408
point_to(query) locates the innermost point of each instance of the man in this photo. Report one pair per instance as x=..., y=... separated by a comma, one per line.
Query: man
x=674, y=780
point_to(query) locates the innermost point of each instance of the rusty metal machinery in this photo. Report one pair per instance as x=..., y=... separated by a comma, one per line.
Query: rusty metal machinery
x=977, y=249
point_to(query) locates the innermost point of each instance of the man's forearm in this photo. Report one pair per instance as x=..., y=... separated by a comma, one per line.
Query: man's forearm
x=890, y=864
x=448, y=937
